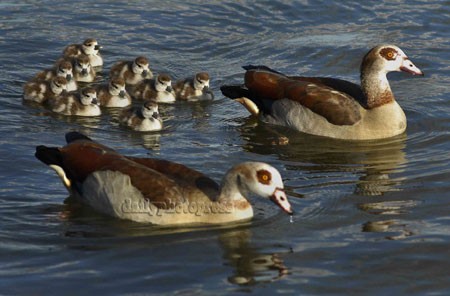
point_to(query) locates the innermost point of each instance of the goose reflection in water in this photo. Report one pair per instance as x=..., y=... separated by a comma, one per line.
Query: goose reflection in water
x=250, y=266
x=372, y=161
x=375, y=167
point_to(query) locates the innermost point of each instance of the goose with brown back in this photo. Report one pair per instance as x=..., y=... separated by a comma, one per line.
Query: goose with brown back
x=159, y=191
x=327, y=106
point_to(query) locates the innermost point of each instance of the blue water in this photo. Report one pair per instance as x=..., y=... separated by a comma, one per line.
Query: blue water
x=372, y=217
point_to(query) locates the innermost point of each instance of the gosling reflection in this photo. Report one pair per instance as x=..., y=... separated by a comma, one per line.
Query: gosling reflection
x=250, y=265
x=151, y=141
x=395, y=207
x=398, y=230
x=93, y=122
x=200, y=113
x=375, y=183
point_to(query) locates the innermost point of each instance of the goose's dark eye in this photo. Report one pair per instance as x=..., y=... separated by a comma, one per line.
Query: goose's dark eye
x=264, y=177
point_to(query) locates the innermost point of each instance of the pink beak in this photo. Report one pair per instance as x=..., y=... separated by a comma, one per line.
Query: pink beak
x=408, y=67
x=280, y=199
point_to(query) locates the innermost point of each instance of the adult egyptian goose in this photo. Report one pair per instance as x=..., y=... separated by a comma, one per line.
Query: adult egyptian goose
x=327, y=106
x=158, y=191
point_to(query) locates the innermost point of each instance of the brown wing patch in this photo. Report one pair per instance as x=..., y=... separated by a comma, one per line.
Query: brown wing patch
x=82, y=158
x=182, y=175
x=137, y=92
x=72, y=50
x=103, y=94
x=337, y=107
x=117, y=68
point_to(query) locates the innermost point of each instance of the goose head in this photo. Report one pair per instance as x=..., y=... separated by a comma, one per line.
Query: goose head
x=117, y=87
x=58, y=84
x=90, y=46
x=163, y=83
x=150, y=110
x=388, y=58
x=258, y=178
x=88, y=96
x=201, y=81
x=141, y=66
x=83, y=65
x=65, y=70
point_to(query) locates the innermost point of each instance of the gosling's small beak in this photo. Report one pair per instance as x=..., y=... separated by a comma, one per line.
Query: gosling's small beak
x=68, y=77
x=97, y=47
x=122, y=94
x=155, y=115
x=95, y=101
x=169, y=89
x=144, y=73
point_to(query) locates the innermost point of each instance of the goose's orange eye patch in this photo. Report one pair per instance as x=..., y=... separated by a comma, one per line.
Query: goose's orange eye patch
x=264, y=177
x=388, y=53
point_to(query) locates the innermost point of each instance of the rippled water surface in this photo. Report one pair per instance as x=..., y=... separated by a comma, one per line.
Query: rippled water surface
x=371, y=217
